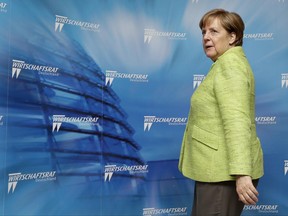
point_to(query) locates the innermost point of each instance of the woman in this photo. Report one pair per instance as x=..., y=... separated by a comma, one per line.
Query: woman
x=220, y=148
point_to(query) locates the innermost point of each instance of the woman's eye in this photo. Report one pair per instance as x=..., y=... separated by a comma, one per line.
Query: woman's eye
x=213, y=31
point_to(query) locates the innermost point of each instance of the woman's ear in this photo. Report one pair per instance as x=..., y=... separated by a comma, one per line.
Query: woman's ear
x=232, y=39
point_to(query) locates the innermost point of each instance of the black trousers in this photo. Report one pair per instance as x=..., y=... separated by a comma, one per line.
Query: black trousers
x=217, y=199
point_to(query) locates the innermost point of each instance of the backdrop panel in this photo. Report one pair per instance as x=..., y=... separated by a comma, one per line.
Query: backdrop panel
x=95, y=96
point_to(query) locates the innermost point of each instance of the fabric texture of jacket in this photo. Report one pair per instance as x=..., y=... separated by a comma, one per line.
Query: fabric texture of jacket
x=220, y=139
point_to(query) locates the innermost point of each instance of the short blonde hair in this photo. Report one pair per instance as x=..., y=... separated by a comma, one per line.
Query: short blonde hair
x=230, y=21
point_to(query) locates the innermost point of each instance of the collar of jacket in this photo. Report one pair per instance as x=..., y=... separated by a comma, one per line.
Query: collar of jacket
x=237, y=50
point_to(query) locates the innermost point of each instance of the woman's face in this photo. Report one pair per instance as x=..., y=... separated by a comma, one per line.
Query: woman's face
x=216, y=40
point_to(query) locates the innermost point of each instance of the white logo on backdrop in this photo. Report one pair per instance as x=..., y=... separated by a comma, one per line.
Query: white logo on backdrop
x=197, y=80
x=150, y=33
x=3, y=7
x=132, y=169
x=18, y=66
x=285, y=167
x=111, y=75
x=284, y=80
x=271, y=209
x=259, y=36
x=265, y=120
x=1, y=120
x=149, y=120
x=59, y=119
x=165, y=211
x=60, y=21
x=14, y=178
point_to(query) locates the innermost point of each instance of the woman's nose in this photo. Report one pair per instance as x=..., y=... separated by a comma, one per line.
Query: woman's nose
x=205, y=36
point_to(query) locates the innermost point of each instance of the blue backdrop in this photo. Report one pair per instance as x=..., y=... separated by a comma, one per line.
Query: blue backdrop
x=94, y=99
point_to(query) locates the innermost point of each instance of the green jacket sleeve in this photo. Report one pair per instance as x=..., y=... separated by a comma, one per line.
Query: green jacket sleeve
x=232, y=89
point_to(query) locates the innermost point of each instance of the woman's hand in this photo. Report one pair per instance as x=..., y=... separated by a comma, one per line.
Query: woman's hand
x=246, y=191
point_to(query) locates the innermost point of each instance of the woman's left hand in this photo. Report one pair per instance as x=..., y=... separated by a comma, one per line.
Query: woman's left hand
x=246, y=191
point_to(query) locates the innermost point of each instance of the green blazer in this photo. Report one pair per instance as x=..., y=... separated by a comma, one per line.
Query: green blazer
x=220, y=139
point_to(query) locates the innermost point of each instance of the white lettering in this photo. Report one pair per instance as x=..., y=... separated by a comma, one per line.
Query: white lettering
x=126, y=168
x=265, y=118
x=65, y=20
x=59, y=118
x=22, y=65
x=170, y=211
x=259, y=36
x=3, y=5
x=31, y=176
x=261, y=207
